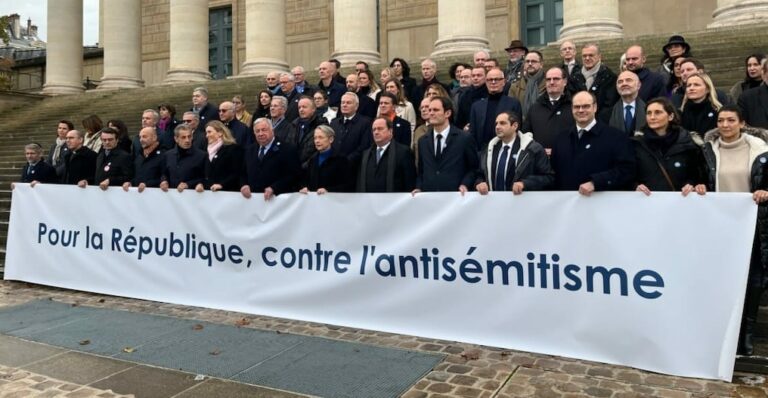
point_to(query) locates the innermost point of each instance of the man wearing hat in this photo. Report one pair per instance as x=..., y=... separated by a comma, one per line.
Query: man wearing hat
x=517, y=52
x=675, y=48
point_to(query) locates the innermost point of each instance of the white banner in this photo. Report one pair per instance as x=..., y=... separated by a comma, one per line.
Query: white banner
x=653, y=282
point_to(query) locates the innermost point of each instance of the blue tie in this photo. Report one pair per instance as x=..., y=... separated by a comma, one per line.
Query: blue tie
x=501, y=171
x=628, y=119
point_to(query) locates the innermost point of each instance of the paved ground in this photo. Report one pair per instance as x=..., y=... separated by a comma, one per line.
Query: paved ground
x=34, y=370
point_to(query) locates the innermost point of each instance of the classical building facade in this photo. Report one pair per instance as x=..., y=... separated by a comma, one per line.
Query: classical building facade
x=149, y=42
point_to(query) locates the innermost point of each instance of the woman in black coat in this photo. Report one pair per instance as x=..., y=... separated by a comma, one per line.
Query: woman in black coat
x=326, y=171
x=666, y=157
x=753, y=76
x=224, y=161
x=700, y=104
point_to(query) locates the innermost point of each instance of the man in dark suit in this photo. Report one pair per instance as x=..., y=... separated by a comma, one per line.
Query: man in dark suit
x=305, y=126
x=59, y=148
x=185, y=164
x=79, y=161
x=597, y=78
x=591, y=156
x=148, y=165
x=428, y=77
x=551, y=112
x=239, y=130
x=652, y=83
x=288, y=90
x=387, y=166
x=282, y=126
x=513, y=161
x=37, y=170
x=401, y=127
x=448, y=157
x=482, y=118
x=271, y=167
x=333, y=89
x=113, y=165
x=200, y=105
x=628, y=115
x=366, y=106
x=353, y=131
x=754, y=103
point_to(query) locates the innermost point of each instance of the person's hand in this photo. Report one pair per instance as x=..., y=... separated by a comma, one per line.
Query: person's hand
x=245, y=190
x=269, y=193
x=415, y=191
x=644, y=189
x=143, y=186
x=687, y=188
x=304, y=190
x=321, y=191
x=587, y=188
x=182, y=186
x=199, y=188
x=164, y=186
x=760, y=196
x=216, y=187
x=548, y=151
x=104, y=184
x=463, y=189
x=701, y=189
x=518, y=187
x=82, y=183
x=126, y=186
x=482, y=188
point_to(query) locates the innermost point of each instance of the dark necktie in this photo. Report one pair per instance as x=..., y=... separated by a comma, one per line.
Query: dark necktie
x=379, y=152
x=262, y=151
x=439, y=147
x=499, y=183
x=629, y=121
x=581, y=132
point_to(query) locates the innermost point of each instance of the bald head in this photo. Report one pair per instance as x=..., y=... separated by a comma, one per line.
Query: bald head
x=628, y=85
x=226, y=111
x=635, y=58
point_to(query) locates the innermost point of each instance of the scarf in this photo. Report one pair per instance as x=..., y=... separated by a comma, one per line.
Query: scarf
x=214, y=148
x=532, y=90
x=57, y=151
x=590, y=74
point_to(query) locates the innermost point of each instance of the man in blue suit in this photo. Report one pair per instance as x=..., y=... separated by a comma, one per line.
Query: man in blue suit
x=591, y=156
x=271, y=167
x=448, y=158
x=482, y=118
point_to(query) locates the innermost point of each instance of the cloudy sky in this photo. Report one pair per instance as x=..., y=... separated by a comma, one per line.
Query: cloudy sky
x=36, y=9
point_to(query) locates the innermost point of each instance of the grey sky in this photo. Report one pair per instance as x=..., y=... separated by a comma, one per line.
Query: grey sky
x=37, y=10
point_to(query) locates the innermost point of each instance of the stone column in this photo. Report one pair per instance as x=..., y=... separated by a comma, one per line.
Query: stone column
x=189, y=41
x=64, y=52
x=122, y=45
x=739, y=12
x=264, y=37
x=460, y=30
x=591, y=19
x=354, y=32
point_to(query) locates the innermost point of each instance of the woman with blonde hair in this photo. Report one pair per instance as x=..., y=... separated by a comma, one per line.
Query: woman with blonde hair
x=368, y=85
x=224, y=160
x=403, y=108
x=700, y=104
x=240, y=113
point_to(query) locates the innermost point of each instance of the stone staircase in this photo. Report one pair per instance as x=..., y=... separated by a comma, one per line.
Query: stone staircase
x=722, y=50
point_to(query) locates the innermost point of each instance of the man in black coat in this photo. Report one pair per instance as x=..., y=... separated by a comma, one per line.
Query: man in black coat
x=282, y=126
x=591, y=156
x=401, y=127
x=292, y=96
x=651, y=83
x=240, y=132
x=482, y=118
x=513, y=161
x=551, y=113
x=271, y=167
x=59, y=148
x=628, y=115
x=148, y=165
x=79, y=161
x=597, y=78
x=428, y=77
x=113, y=165
x=476, y=92
x=333, y=89
x=754, y=103
x=305, y=126
x=37, y=170
x=185, y=164
x=448, y=157
x=366, y=106
x=353, y=131
x=387, y=166
x=200, y=105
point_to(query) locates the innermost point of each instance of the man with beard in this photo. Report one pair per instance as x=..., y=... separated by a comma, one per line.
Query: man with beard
x=516, y=51
x=148, y=165
x=532, y=84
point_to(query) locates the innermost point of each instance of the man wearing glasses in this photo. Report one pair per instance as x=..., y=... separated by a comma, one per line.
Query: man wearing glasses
x=482, y=118
x=527, y=89
x=551, y=112
x=591, y=156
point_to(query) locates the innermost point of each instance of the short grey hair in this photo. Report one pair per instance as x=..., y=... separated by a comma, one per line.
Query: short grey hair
x=289, y=76
x=34, y=147
x=154, y=113
x=282, y=100
x=327, y=130
x=202, y=90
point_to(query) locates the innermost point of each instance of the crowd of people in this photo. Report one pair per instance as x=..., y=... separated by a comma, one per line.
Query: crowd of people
x=565, y=124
